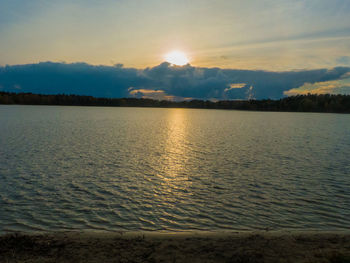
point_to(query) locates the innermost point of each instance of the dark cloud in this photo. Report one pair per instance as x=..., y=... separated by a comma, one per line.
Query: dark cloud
x=162, y=81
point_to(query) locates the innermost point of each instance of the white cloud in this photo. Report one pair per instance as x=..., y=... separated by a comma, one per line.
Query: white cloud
x=154, y=94
x=235, y=86
x=341, y=86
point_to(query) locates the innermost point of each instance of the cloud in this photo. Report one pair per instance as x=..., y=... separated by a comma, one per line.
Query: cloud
x=250, y=95
x=17, y=87
x=154, y=94
x=145, y=91
x=150, y=94
x=326, y=87
x=161, y=82
x=235, y=86
x=255, y=34
x=344, y=60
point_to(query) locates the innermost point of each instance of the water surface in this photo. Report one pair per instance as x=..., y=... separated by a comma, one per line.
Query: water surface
x=96, y=168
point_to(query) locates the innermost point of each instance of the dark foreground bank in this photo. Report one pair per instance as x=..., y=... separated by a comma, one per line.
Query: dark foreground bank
x=301, y=103
x=148, y=247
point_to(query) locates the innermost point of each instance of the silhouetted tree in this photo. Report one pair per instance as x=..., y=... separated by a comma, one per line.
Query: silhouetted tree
x=301, y=103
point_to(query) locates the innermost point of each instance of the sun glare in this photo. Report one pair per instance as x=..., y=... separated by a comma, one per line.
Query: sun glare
x=177, y=58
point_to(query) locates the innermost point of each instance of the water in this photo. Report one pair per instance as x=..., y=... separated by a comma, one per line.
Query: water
x=95, y=168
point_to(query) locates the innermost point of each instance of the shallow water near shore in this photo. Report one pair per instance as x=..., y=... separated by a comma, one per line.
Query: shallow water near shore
x=146, y=169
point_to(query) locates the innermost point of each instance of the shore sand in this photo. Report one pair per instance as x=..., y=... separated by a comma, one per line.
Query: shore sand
x=176, y=247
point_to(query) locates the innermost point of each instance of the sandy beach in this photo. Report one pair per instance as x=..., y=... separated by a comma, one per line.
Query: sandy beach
x=176, y=247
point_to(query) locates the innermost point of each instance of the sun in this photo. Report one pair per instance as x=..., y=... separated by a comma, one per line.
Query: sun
x=177, y=58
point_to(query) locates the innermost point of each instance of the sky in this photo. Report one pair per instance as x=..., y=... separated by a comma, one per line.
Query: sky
x=225, y=41
x=245, y=34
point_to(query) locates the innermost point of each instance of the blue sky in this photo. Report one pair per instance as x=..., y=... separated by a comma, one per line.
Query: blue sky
x=251, y=34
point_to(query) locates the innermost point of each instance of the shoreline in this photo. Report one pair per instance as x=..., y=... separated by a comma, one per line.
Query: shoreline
x=194, y=246
x=322, y=103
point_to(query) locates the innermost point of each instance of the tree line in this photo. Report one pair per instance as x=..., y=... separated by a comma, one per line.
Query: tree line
x=299, y=103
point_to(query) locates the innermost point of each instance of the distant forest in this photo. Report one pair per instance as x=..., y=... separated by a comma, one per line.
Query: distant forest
x=300, y=103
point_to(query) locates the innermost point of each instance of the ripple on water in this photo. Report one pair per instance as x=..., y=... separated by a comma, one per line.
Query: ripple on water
x=82, y=168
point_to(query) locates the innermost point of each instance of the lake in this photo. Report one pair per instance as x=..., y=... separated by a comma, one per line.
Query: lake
x=97, y=168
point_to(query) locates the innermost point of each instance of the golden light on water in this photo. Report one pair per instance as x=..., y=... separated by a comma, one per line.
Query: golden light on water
x=173, y=165
x=177, y=58
x=175, y=144
x=174, y=183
